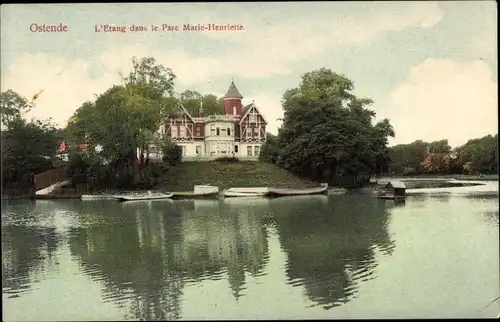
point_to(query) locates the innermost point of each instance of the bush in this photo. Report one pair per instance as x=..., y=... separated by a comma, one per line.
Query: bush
x=78, y=163
x=227, y=159
x=172, y=154
x=152, y=173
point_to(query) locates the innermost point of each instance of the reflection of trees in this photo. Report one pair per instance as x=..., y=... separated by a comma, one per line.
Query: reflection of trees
x=144, y=253
x=25, y=252
x=228, y=237
x=331, y=243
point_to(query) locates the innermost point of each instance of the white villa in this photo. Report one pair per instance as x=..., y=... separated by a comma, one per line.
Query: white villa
x=239, y=132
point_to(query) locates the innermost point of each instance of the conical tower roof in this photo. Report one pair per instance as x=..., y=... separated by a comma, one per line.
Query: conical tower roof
x=233, y=92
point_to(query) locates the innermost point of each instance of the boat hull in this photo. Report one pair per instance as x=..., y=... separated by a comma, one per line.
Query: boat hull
x=277, y=192
x=144, y=197
x=235, y=194
x=246, y=192
x=98, y=197
x=194, y=195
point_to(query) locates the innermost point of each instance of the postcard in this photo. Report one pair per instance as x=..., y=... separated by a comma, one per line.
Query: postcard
x=253, y=160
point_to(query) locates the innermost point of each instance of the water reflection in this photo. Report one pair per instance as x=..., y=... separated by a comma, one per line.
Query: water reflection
x=152, y=249
x=331, y=243
x=27, y=253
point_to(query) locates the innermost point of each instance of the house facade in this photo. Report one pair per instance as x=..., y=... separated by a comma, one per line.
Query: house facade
x=238, y=131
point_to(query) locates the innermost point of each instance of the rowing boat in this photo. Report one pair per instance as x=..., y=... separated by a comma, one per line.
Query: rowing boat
x=200, y=192
x=246, y=192
x=146, y=196
x=278, y=192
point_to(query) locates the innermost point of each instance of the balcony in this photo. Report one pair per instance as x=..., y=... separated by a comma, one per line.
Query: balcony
x=223, y=118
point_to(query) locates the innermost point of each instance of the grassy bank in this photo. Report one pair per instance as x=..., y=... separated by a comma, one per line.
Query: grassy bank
x=230, y=174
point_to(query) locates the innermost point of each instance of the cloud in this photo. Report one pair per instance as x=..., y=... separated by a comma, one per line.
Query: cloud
x=65, y=84
x=445, y=99
x=269, y=46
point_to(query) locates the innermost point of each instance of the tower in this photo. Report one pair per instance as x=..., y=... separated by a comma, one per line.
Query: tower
x=232, y=101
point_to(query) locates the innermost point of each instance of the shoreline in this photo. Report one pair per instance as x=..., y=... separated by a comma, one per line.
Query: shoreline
x=411, y=183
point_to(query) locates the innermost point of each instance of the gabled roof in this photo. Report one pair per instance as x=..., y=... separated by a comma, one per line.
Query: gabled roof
x=396, y=184
x=247, y=110
x=233, y=92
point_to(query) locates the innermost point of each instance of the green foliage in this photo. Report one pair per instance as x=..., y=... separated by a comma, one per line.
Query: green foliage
x=476, y=156
x=227, y=159
x=123, y=120
x=12, y=107
x=269, y=151
x=171, y=154
x=27, y=148
x=479, y=155
x=327, y=132
x=407, y=158
x=191, y=101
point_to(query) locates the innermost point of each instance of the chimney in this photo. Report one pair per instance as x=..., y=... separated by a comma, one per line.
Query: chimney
x=200, y=111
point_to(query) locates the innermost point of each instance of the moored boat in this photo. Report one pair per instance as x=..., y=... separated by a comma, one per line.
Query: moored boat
x=246, y=192
x=199, y=192
x=145, y=196
x=278, y=192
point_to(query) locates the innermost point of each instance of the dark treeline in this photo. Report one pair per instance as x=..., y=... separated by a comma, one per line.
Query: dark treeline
x=327, y=132
x=477, y=156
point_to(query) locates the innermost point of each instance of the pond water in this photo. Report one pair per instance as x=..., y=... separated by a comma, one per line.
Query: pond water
x=344, y=256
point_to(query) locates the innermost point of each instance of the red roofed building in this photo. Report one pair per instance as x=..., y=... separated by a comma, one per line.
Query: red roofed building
x=239, y=131
x=63, y=146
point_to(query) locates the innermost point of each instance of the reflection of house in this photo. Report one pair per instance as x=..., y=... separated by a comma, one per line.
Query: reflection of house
x=239, y=132
x=236, y=241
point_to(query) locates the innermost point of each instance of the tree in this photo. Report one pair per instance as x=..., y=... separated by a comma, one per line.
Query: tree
x=479, y=155
x=12, y=107
x=440, y=146
x=269, y=151
x=124, y=118
x=327, y=131
x=407, y=158
x=191, y=100
x=27, y=148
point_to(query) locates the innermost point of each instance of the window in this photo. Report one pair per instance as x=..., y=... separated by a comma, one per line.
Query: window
x=174, y=131
x=236, y=149
x=198, y=131
x=228, y=131
x=249, y=151
x=248, y=132
x=256, y=150
x=182, y=132
x=218, y=131
x=183, y=150
x=198, y=150
x=212, y=129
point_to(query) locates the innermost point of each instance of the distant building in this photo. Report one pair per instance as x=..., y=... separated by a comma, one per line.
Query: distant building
x=239, y=131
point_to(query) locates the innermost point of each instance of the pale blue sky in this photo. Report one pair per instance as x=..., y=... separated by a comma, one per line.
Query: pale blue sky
x=431, y=67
